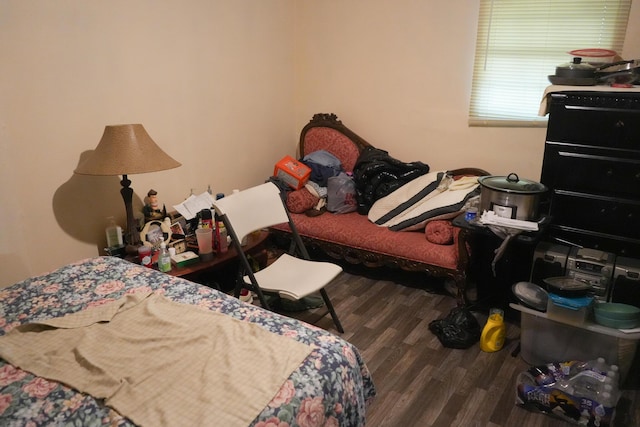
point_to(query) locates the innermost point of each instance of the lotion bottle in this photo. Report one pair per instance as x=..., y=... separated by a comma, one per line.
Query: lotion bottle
x=114, y=233
x=164, y=259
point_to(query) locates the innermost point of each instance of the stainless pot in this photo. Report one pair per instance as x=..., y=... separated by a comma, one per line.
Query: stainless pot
x=576, y=69
x=578, y=73
x=511, y=197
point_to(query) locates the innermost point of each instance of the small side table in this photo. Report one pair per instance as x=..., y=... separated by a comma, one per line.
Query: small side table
x=256, y=247
x=514, y=265
x=200, y=271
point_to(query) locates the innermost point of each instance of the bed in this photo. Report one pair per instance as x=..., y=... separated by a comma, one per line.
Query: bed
x=330, y=385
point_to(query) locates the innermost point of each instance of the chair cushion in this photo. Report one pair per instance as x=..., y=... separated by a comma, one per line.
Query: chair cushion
x=294, y=278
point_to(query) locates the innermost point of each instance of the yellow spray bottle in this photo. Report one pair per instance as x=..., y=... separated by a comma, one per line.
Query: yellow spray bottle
x=492, y=338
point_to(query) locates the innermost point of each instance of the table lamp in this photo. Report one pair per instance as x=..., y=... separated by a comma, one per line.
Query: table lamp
x=125, y=150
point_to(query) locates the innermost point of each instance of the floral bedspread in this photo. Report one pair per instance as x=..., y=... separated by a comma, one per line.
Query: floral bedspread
x=331, y=388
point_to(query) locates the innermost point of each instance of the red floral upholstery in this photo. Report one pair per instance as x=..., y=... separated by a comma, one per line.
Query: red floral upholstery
x=336, y=143
x=301, y=200
x=355, y=230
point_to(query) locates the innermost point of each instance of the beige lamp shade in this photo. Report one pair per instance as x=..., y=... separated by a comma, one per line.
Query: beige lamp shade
x=125, y=150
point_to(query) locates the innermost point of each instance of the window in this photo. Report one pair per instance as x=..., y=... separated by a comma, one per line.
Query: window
x=519, y=45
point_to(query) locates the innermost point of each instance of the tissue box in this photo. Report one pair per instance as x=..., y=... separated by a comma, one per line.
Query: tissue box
x=184, y=258
x=293, y=172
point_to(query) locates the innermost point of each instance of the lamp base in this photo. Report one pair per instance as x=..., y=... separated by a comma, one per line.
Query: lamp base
x=132, y=249
x=131, y=236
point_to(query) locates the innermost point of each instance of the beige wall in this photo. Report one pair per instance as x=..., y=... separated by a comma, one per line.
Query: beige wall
x=210, y=81
x=399, y=74
x=223, y=86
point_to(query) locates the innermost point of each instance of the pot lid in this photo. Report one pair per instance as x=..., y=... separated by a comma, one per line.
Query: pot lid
x=593, y=53
x=531, y=295
x=512, y=184
x=577, y=64
x=567, y=286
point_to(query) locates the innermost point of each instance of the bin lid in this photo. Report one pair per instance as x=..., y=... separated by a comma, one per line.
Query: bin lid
x=576, y=303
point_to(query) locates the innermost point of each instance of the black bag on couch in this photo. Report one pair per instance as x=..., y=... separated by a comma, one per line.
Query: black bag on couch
x=377, y=174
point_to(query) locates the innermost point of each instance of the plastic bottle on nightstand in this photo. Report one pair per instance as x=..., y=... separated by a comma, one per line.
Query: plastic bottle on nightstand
x=223, y=243
x=164, y=259
x=114, y=233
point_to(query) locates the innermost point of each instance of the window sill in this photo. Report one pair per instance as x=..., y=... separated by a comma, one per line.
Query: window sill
x=538, y=123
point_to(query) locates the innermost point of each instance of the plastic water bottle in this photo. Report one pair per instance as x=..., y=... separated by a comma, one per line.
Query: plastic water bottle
x=588, y=384
x=614, y=373
x=494, y=331
x=164, y=259
x=599, y=365
x=607, y=397
x=612, y=383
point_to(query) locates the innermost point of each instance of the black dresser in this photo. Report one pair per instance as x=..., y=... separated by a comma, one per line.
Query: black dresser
x=592, y=168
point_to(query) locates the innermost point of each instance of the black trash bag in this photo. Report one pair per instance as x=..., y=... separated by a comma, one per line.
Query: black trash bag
x=377, y=174
x=460, y=329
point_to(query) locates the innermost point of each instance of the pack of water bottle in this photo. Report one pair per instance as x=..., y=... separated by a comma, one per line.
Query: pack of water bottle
x=581, y=392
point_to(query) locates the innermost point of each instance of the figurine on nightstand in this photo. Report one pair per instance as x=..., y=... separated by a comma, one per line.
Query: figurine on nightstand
x=152, y=209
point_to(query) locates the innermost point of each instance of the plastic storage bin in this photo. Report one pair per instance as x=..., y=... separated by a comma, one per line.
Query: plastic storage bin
x=543, y=340
x=291, y=171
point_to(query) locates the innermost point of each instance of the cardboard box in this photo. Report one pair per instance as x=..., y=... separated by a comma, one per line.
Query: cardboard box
x=293, y=172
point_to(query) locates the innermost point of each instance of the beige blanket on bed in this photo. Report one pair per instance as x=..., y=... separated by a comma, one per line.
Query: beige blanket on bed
x=158, y=362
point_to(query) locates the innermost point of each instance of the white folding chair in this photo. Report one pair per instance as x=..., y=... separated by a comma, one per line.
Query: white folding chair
x=293, y=275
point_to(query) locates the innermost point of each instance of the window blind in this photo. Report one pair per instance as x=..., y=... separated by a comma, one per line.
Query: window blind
x=521, y=42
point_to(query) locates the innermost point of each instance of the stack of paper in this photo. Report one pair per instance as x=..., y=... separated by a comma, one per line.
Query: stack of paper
x=194, y=204
x=490, y=218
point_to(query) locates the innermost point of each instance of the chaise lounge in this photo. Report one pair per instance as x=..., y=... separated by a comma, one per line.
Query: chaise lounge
x=354, y=238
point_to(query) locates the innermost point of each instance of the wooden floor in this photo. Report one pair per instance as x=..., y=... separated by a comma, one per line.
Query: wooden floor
x=421, y=383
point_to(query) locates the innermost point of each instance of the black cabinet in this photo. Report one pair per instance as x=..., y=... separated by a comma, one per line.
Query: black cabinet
x=592, y=168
